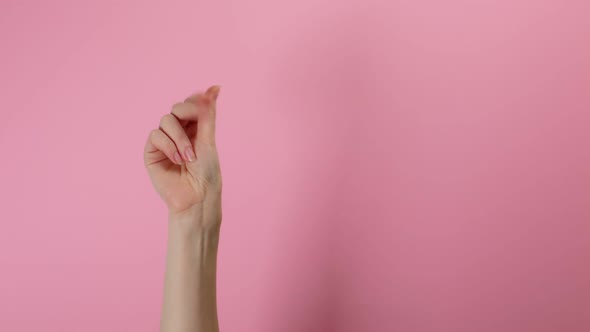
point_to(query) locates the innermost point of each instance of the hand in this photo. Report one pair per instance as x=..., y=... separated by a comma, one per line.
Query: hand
x=181, y=158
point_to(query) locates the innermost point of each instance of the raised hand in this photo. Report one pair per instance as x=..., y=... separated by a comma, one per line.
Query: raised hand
x=181, y=157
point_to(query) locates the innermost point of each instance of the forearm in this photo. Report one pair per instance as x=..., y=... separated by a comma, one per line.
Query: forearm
x=182, y=162
x=190, y=287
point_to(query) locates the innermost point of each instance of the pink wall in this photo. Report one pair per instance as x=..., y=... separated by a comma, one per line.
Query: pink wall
x=388, y=165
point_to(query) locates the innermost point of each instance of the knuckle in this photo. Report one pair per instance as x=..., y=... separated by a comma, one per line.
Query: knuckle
x=167, y=119
x=178, y=106
x=193, y=98
x=153, y=134
x=184, y=109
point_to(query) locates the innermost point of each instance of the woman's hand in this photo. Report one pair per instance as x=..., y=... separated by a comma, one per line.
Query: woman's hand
x=181, y=159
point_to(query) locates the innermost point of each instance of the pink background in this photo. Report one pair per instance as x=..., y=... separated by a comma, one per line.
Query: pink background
x=393, y=165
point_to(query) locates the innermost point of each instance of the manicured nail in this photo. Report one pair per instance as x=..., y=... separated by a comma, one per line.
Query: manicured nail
x=189, y=154
x=177, y=158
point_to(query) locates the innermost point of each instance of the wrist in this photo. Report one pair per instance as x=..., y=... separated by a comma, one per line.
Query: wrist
x=203, y=217
x=190, y=234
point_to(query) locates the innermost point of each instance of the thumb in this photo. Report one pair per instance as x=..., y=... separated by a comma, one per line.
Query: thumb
x=213, y=92
x=205, y=116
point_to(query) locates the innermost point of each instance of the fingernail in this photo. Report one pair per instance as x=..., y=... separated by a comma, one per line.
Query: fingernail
x=177, y=158
x=216, y=90
x=189, y=154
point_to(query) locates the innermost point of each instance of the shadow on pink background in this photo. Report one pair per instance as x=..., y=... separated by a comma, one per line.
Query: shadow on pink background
x=388, y=165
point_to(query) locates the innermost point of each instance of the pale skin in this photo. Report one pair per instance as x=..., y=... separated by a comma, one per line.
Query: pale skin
x=182, y=162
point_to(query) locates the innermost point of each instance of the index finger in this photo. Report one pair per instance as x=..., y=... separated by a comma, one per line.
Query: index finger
x=185, y=111
x=200, y=107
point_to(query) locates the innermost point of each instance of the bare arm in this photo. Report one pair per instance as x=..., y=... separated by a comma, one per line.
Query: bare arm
x=181, y=158
x=191, y=266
